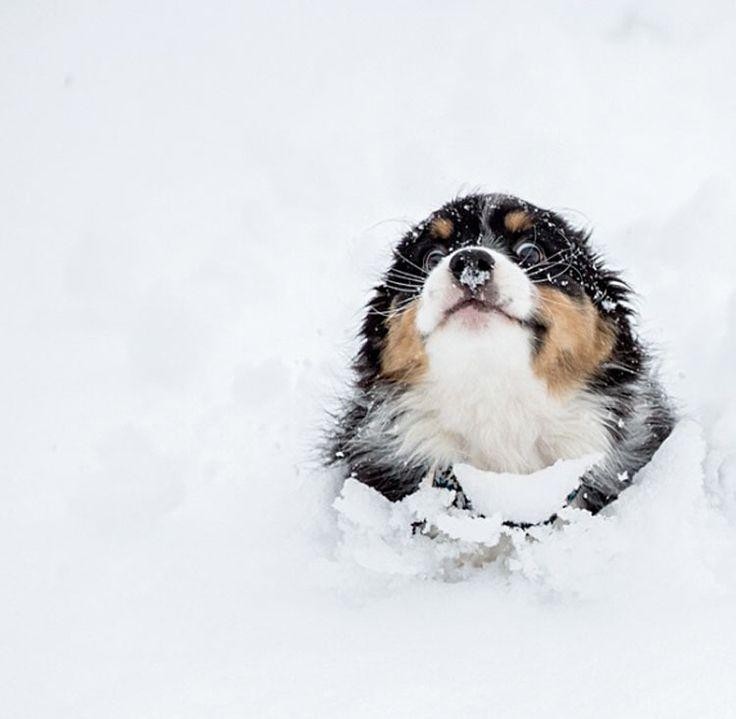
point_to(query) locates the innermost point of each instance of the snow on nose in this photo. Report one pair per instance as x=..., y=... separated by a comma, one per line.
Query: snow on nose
x=474, y=278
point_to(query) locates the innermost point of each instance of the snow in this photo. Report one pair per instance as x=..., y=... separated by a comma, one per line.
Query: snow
x=523, y=498
x=196, y=200
x=473, y=278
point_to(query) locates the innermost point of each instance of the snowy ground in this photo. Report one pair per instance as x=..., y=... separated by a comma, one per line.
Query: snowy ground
x=194, y=201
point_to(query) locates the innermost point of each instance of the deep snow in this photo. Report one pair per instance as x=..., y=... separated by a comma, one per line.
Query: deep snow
x=194, y=201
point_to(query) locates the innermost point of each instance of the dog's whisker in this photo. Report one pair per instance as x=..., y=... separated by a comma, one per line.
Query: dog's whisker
x=550, y=278
x=549, y=257
x=403, y=288
x=402, y=281
x=405, y=276
x=400, y=271
x=544, y=263
x=395, y=310
x=547, y=278
x=405, y=281
x=413, y=264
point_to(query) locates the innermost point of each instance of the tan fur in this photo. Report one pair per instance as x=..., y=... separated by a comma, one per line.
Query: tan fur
x=578, y=340
x=442, y=227
x=517, y=220
x=403, y=357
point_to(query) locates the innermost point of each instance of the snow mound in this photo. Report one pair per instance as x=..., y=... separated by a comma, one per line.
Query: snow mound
x=663, y=520
x=523, y=497
x=423, y=535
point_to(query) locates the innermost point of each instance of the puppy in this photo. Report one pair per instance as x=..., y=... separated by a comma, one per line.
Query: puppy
x=499, y=338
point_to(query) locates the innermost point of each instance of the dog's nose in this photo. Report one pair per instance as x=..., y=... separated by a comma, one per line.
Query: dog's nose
x=472, y=267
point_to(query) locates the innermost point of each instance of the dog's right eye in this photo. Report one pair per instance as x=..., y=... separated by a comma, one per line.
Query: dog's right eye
x=433, y=259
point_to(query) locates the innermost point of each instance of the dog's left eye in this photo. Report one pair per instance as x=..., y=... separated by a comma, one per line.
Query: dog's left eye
x=432, y=259
x=529, y=253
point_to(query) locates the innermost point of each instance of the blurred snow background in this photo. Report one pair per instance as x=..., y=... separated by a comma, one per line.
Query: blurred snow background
x=194, y=201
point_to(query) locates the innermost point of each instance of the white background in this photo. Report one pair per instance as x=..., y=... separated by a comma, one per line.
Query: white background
x=195, y=199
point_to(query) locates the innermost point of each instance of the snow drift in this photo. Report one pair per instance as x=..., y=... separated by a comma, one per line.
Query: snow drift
x=194, y=202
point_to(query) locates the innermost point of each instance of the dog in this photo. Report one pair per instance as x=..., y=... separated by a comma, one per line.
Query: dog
x=499, y=338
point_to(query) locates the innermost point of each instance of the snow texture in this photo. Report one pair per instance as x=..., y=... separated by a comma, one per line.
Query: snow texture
x=523, y=498
x=473, y=278
x=195, y=201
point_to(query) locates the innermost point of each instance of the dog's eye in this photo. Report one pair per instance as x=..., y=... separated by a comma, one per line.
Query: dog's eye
x=529, y=253
x=433, y=259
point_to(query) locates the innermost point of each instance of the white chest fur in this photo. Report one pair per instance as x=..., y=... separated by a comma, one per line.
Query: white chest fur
x=481, y=403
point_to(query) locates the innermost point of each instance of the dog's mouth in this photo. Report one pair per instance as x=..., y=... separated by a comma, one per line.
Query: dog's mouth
x=482, y=306
x=471, y=303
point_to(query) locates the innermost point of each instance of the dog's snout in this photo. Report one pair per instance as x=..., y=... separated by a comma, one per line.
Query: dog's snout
x=472, y=267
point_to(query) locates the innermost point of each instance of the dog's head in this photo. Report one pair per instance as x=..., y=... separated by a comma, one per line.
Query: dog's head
x=493, y=270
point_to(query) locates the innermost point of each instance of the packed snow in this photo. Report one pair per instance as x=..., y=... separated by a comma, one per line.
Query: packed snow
x=523, y=497
x=195, y=201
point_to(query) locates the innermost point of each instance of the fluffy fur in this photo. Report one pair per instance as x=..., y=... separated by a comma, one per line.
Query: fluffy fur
x=499, y=338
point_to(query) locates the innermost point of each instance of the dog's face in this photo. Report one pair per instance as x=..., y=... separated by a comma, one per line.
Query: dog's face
x=491, y=270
